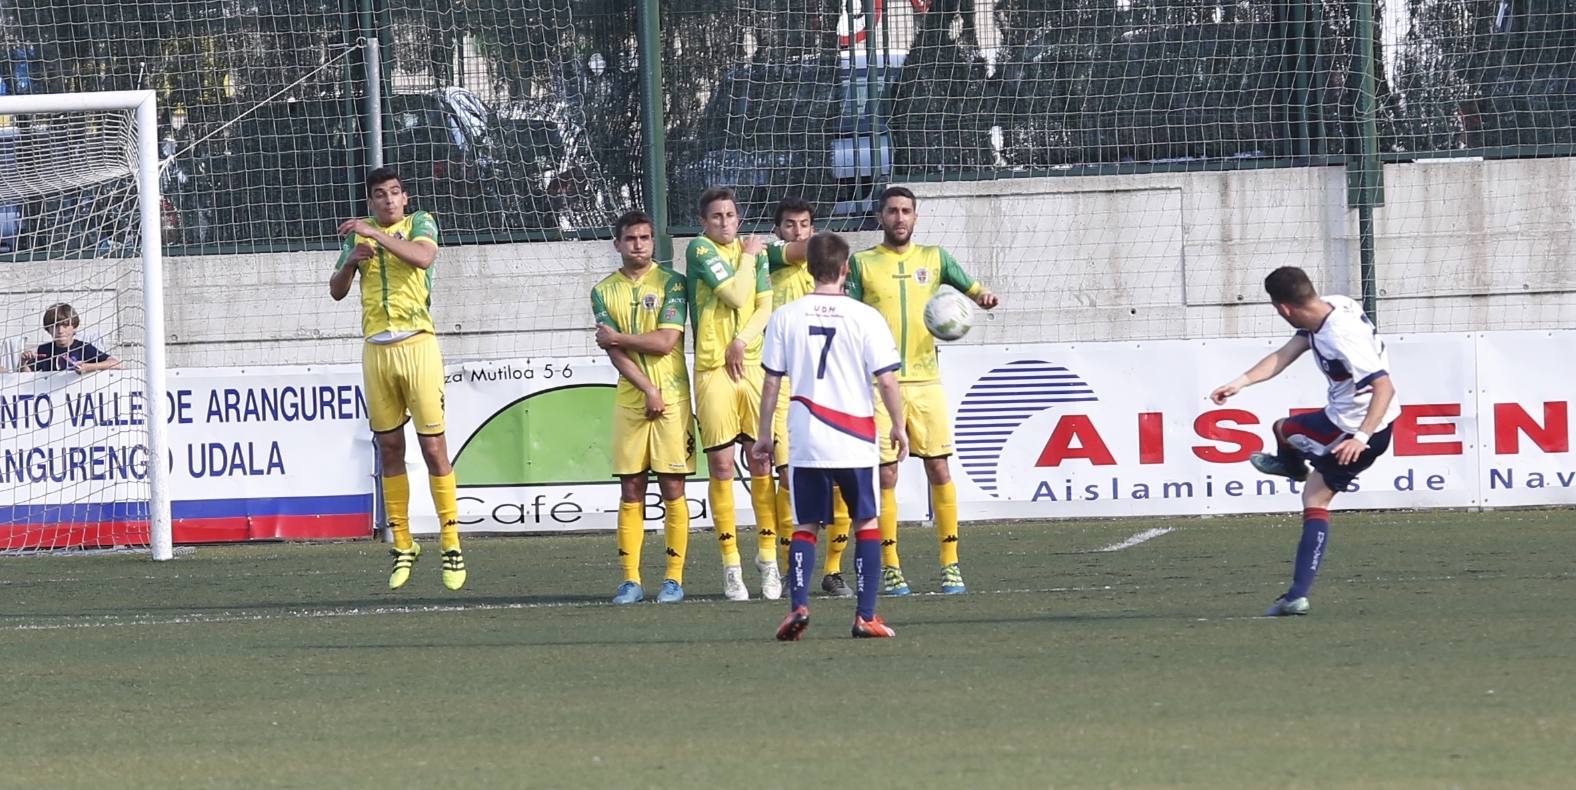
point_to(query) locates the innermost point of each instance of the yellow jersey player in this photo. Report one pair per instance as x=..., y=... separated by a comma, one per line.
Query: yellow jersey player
x=794, y=224
x=395, y=254
x=730, y=302
x=898, y=277
x=640, y=312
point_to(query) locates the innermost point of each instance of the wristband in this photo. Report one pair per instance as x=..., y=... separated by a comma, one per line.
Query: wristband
x=1361, y=437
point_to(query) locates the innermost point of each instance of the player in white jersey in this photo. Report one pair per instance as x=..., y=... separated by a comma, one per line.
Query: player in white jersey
x=1346, y=437
x=829, y=347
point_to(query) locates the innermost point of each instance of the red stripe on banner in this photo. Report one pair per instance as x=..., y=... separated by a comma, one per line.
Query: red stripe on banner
x=225, y=530
x=74, y=535
x=109, y=534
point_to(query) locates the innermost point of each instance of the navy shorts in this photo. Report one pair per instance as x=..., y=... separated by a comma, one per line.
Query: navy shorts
x=1324, y=436
x=812, y=493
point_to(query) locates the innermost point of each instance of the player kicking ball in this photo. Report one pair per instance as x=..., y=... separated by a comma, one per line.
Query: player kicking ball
x=829, y=347
x=1343, y=439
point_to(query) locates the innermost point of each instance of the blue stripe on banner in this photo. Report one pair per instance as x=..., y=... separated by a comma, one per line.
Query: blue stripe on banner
x=92, y=512
x=280, y=506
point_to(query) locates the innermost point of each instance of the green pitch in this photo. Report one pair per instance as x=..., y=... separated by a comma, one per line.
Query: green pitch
x=1439, y=653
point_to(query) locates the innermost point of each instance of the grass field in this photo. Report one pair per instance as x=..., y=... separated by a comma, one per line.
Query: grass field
x=1439, y=653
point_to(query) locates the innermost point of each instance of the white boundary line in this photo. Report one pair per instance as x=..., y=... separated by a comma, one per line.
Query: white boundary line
x=1134, y=540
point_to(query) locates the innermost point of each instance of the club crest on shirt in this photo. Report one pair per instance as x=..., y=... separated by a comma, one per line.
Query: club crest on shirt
x=649, y=301
x=922, y=276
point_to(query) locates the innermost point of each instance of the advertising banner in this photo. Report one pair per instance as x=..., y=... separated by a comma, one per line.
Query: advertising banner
x=262, y=453
x=1127, y=429
x=530, y=440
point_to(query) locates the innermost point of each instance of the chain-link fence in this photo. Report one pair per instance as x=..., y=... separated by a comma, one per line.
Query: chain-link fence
x=519, y=119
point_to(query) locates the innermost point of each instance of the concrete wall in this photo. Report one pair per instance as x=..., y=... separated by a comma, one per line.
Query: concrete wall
x=1462, y=245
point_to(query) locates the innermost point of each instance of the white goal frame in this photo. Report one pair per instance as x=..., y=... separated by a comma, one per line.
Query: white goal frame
x=145, y=105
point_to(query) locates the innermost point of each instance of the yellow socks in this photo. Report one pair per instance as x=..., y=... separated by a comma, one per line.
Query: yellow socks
x=675, y=527
x=448, y=510
x=944, y=499
x=763, y=498
x=784, y=526
x=720, y=493
x=888, y=522
x=396, y=504
x=630, y=534
x=837, y=534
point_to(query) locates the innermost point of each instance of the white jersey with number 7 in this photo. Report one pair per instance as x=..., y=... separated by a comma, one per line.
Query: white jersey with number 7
x=830, y=347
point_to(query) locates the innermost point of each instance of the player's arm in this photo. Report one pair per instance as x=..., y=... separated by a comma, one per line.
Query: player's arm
x=733, y=357
x=774, y=359
x=630, y=369
x=1366, y=363
x=660, y=341
x=420, y=250
x=892, y=398
x=351, y=255
x=1266, y=369
x=952, y=274
x=783, y=253
x=883, y=361
x=1354, y=445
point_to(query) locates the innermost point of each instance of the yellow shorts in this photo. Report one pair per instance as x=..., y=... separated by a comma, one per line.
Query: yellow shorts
x=728, y=410
x=780, y=427
x=925, y=415
x=665, y=445
x=404, y=377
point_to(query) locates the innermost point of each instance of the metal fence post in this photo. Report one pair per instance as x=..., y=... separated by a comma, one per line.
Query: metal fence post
x=653, y=131
x=1365, y=185
x=373, y=110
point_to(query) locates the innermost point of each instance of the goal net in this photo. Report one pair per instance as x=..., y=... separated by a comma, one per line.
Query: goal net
x=81, y=351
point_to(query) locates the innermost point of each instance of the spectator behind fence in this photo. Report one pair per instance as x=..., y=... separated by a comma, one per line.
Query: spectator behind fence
x=66, y=352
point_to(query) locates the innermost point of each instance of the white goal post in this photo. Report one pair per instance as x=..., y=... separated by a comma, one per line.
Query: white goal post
x=142, y=105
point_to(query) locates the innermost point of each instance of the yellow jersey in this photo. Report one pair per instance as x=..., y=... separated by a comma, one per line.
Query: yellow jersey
x=789, y=280
x=634, y=307
x=899, y=285
x=395, y=296
x=709, y=266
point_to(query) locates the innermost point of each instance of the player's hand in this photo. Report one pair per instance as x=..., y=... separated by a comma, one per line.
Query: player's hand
x=654, y=404
x=606, y=337
x=361, y=253
x=360, y=227
x=900, y=441
x=753, y=245
x=987, y=300
x=1347, y=451
x=762, y=451
x=734, y=359
x=1222, y=392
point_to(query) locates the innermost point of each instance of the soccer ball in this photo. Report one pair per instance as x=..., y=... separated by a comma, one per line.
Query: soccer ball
x=949, y=315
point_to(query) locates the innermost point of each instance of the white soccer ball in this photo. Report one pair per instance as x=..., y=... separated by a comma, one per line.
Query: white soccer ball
x=949, y=315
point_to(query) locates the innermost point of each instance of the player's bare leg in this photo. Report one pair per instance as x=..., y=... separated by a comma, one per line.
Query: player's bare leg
x=720, y=461
x=892, y=581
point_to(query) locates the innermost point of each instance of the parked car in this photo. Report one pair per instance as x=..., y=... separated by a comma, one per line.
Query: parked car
x=771, y=130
